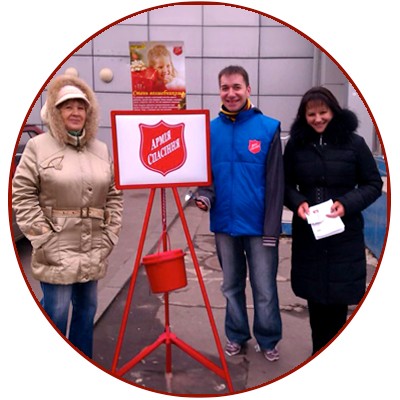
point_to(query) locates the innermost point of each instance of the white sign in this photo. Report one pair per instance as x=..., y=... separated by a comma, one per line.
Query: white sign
x=161, y=149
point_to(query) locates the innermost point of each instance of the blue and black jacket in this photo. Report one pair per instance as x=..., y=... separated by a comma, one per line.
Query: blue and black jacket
x=246, y=198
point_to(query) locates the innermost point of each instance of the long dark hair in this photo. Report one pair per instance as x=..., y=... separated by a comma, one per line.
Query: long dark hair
x=318, y=94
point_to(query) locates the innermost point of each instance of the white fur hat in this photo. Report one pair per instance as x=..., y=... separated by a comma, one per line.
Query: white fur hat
x=43, y=114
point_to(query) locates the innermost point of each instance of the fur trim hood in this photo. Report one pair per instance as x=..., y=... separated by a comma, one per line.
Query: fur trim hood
x=51, y=115
x=339, y=129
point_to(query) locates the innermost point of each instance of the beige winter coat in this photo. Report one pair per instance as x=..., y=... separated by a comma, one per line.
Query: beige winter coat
x=65, y=199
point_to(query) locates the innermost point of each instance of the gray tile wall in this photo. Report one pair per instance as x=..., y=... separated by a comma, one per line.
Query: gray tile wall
x=280, y=61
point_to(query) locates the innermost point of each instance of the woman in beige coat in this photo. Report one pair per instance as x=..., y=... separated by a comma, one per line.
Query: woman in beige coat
x=67, y=205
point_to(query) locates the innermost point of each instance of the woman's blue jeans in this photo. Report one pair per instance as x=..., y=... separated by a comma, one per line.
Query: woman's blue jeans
x=56, y=302
x=262, y=263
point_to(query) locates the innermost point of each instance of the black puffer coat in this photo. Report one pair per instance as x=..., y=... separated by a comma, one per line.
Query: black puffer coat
x=335, y=165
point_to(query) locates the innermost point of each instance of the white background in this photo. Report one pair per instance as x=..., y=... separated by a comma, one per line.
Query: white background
x=362, y=37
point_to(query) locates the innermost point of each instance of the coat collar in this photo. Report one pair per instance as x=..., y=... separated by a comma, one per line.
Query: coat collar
x=338, y=131
x=242, y=115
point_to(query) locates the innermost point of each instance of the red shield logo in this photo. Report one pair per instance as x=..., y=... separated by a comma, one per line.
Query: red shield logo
x=162, y=147
x=178, y=50
x=254, y=146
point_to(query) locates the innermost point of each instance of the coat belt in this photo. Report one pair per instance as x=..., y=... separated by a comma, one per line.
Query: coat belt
x=84, y=212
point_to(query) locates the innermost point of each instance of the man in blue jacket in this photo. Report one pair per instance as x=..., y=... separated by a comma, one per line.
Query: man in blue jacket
x=245, y=203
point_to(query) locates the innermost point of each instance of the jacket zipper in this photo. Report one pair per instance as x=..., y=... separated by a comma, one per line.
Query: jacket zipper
x=232, y=178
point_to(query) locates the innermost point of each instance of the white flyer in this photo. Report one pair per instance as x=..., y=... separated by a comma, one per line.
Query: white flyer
x=322, y=225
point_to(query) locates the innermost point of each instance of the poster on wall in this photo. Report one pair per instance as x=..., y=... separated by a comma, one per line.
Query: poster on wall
x=158, y=76
x=161, y=149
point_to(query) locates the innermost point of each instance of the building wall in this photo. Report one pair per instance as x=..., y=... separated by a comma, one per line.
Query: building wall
x=282, y=66
x=281, y=63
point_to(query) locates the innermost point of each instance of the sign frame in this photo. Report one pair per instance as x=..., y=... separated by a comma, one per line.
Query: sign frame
x=194, y=170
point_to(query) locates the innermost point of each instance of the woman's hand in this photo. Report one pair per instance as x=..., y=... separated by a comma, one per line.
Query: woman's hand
x=303, y=210
x=337, y=210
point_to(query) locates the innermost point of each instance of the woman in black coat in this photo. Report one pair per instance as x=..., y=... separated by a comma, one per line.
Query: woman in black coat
x=325, y=159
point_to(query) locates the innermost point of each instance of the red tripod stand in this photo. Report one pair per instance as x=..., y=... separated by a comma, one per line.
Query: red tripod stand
x=167, y=337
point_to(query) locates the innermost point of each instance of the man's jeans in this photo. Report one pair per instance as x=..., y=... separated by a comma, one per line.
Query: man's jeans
x=263, y=265
x=83, y=296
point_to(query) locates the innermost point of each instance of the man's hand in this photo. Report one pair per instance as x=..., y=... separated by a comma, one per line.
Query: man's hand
x=200, y=204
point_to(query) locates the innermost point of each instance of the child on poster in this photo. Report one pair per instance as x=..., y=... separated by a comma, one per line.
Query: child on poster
x=160, y=59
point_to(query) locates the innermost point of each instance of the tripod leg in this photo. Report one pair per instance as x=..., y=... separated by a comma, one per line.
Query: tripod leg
x=203, y=290
x=133, y=281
